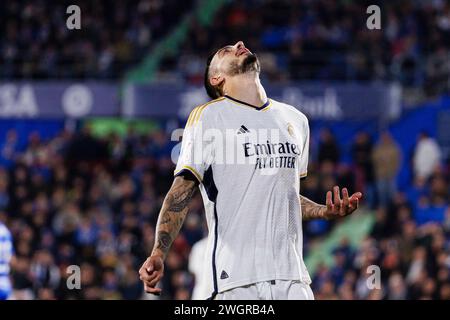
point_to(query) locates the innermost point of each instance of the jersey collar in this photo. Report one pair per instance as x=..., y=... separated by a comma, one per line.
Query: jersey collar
x=265, y=105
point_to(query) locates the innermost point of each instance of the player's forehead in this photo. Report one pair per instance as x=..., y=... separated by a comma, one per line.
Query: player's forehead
x=223, y=49
x=219, y=53
x=215, y=61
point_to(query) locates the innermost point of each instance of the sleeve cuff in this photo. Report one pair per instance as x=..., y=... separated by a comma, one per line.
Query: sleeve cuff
x=185, y=169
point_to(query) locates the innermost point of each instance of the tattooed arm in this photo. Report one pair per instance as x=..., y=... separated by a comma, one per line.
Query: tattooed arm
x=172, y=214
x=312, y=210
x=170, y=220
x=333, y=208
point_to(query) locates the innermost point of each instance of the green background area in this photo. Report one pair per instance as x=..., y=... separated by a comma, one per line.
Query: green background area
x=104, y=126
x=355, y=228
x=170, y=45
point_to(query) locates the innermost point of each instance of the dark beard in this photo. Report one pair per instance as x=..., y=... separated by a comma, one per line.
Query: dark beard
x=249, y=64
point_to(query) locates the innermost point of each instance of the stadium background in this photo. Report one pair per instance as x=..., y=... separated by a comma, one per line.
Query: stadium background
x=82, y=175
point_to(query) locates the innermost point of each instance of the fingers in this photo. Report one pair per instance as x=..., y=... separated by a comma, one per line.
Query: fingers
x=354, y=200
x=148, y=277
x=357, y=195
x=344, y=206
x=345, y=200
x=150, y=267
x=147, y=266
x=152, y=283
x=156, y=291
x=341, y=207
x=329, y=201
x=150, y=274
x=146, y=271
x=337, y=198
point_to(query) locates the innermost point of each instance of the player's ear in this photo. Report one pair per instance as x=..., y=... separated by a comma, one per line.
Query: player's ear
x=216, y=80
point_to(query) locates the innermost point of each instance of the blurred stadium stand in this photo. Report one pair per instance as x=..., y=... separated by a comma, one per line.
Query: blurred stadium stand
x=85, y=162
x=115, y=35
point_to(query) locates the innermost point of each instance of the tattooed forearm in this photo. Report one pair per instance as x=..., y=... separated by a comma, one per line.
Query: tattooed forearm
x=179, y=200
x=172, y=214
x=312, y=210
x=164, y=240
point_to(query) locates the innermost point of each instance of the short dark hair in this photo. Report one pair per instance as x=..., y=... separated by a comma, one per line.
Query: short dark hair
x=213, y=92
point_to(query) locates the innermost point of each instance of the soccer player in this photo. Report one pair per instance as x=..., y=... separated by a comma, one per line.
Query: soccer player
x=254, y=208
x=6, y=251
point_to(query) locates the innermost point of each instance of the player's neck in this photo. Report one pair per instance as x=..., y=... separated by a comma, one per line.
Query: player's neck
x=246, y=88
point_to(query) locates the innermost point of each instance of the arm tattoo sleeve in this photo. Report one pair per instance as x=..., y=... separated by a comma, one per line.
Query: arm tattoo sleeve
x=312, y=210
x=172, y=214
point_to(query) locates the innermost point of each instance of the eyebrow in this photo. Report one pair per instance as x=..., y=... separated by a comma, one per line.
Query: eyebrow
x=220, y=50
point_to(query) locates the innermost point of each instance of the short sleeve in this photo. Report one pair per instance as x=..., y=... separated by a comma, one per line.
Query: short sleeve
x=304, y=156
x=196, y=153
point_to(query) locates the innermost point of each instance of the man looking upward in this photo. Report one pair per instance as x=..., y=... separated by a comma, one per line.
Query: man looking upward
x=254, y=213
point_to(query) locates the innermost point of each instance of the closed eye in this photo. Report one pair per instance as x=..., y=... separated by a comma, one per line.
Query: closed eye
x=224, y=50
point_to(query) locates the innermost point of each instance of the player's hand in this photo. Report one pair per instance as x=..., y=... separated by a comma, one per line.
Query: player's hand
x=337, y=207
x=151, y=272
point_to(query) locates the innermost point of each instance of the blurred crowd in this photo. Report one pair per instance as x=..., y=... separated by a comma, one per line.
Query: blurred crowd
x=80, y=200
x=410, y=239
x=295, y=39
x=114, y=35
x=327, y=40
x=93, y=202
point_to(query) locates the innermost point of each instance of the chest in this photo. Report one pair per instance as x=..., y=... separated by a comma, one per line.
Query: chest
x=259, y=127
x=258, y=138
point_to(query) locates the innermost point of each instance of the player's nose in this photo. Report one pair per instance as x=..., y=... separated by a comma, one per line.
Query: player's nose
x=239, y=45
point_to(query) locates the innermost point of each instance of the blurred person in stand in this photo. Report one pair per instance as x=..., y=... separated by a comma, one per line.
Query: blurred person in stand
x=44, y=271
x=386, y=159
x=361, y=154
x=196, y=258
x=328, y=147
x=427, y=155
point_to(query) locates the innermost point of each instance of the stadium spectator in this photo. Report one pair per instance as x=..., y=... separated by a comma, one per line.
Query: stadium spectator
x=427, y=155
x=386, y=157
x=196, y=262
x=328, y=148
x=363, y=165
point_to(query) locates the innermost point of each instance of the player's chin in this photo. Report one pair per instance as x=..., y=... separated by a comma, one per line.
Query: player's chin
x=249, y=58
x=250, y=63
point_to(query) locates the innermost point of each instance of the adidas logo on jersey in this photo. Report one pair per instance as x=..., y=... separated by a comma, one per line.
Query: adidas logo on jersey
x=224, y=275
x=243, y=129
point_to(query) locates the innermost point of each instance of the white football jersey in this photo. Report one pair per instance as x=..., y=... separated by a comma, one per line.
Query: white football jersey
x=249, y=161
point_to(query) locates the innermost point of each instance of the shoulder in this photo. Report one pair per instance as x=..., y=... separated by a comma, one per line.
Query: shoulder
x=291, y=111
x=204, y=112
